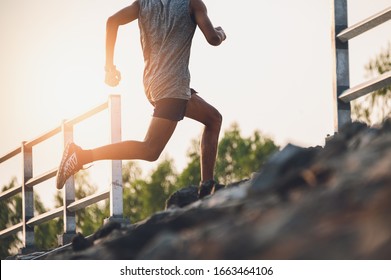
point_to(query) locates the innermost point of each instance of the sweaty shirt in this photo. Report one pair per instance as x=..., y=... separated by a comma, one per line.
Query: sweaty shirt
x=166, y=31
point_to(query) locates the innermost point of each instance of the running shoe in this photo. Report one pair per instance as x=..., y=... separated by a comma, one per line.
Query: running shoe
x=70, y=164
x=206, y=188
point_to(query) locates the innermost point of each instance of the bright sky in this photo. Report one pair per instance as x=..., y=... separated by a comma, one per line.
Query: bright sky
x=273, y=73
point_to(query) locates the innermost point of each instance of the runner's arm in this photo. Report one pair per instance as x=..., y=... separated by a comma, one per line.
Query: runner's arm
x=124, y=16
x=214, y=36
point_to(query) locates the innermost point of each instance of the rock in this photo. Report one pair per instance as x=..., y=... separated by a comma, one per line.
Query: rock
x=79, y=242
x=183, y=197
x=284, y=170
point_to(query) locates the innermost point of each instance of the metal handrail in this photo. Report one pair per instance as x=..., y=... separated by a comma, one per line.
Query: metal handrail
x=365, y=25
x=11, y=154
x=366, y=87
x=70, y=204
x=342, y=33
x=89, y=200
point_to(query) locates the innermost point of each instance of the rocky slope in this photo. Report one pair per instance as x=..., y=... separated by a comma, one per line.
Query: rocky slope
x=331, y=202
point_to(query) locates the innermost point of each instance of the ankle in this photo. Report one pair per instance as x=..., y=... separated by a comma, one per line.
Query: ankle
x=85, y=156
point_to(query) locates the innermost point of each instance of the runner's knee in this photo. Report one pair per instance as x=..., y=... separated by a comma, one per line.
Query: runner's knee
x=152, y=152
x=152, y=155
x=215, y=120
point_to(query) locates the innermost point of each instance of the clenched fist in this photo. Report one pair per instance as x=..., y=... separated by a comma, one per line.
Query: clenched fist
x=113, y=76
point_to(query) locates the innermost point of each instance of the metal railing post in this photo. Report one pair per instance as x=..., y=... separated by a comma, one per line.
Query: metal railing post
x=68, y=195
x=116, y=188
x=27, y=197
x=341, y=82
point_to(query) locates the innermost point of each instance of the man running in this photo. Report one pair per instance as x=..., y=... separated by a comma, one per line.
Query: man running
x=166, y=29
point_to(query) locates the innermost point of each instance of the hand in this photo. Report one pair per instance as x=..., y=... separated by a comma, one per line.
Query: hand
x=113, y=76
x=221, y=32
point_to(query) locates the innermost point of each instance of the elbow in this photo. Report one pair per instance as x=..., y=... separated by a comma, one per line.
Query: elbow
x=112, y=22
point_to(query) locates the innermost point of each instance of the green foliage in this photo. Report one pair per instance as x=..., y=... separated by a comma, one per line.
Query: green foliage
x=10, y=214
x=133, y=191
x=160, y=186
x=238, y=157
x=88, y=220
x=375, y=107
x=191, y=174
x=142, y=198
x=45, y=235
x=155, y=190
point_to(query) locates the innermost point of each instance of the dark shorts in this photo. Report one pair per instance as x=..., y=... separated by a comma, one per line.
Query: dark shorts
x=173, y=109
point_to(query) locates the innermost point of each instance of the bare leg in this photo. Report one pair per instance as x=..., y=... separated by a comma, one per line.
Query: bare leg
x=199, y=110
x=159, y=132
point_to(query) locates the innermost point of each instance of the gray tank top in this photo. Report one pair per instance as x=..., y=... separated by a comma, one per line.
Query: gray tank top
x=166, y=31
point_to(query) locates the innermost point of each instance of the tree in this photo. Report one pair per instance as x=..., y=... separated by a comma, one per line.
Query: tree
x=238, y=157
x=374, y=108
x=142, y=197
x=133, y=191
x=10, y=214
x=157, y=189
x=89, y=219
x=191, y=174
x=45, y=235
